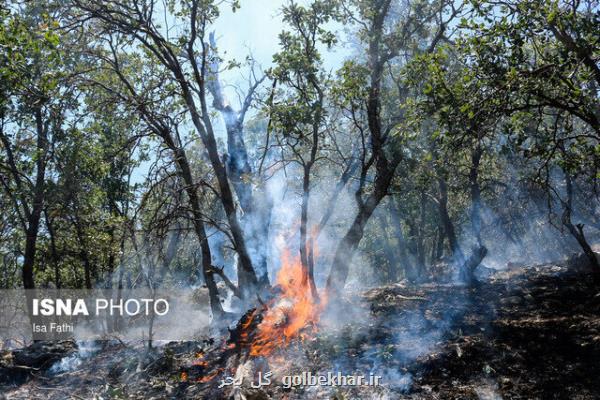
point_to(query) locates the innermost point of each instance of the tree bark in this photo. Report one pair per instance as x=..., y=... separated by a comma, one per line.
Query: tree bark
x=576, y=230
x=449, y=230
x=421, y=236
x=83, y=253
x=438, y=251
x=256, y=207
x=388, y=250
x=53, y=250
x=190, y=188
x=347, y=246
x=306, y=243
x=384, y=167
x=467, y=270
x=475, y=193
x=404, y=257
x=33, y=221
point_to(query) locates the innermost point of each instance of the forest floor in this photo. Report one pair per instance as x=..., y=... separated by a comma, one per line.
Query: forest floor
x=524, y=333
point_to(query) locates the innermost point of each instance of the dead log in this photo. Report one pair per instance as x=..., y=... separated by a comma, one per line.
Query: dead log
x=43, y=355
x=17, y=365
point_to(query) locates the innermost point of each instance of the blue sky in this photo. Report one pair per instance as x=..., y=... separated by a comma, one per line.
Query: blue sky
x=254, y=28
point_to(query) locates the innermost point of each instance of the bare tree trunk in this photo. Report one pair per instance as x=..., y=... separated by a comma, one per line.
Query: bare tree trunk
x=421, y=236
x=384, y=167
x=110, y=267
x=247, y=279
x=33, y=221
x=306, y=243
x=577, y=230
x=29, y=254
x=455, y=249
x=475, y=193
x=168, y=256
x=259, y=234
x=345, y=250
x=209, y=279
x=404, y=257
x=53, y=250
x=237, y=156
x=83, y=254
x=117, y=320
x=439, y=248
x=347, y=246
x=256, y=207
x=390, y=255
x=467, y=271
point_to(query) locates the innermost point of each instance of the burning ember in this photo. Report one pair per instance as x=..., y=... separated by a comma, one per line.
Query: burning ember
x=293, y=313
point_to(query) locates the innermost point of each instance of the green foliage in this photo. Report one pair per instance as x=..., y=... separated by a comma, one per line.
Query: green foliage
x=517, y=80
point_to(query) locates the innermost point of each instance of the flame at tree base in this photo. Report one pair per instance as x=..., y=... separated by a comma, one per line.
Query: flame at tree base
x=293, y=314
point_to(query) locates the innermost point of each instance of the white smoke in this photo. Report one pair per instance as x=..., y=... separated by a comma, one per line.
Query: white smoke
x=85, y=349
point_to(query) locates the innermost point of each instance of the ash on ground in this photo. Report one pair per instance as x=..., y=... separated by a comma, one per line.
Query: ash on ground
x=530, y=332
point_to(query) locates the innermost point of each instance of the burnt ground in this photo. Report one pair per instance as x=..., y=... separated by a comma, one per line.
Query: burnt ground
x=527, y=333
x=524, y=333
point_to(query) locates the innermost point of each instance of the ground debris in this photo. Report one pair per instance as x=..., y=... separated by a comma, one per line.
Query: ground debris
x=524, y=333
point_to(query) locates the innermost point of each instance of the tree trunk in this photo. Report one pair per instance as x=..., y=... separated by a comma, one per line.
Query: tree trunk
x=347, y=246
x=29, y=255
x=384, y=167
x=87, y=266
x=469, y=266
x=577, y=230
x=475, y=193
x=117, y=320
x=247, y=280
x=392, y=260
x=345, y=251
x=439, y=248
x=409, y=269
x=467, y=270
x=53, y=251
x=306, y=243
x=33, y=223
x=259, y=235
x=421, y=237
x=237, y=161
x=256, y=206
x=449, y=230
x=110, y=267
x=413, y=248
x=209, y=279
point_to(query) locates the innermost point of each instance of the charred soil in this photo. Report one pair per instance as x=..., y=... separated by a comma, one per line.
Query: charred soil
x=524, y=333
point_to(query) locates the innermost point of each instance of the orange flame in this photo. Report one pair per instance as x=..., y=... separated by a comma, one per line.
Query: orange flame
x=292, y=314
x=209, y=377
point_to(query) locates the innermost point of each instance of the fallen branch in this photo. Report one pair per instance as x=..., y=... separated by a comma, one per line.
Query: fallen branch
x=234, y=289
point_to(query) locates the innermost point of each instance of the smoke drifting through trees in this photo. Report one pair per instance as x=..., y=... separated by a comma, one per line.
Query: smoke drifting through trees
x=452, y=135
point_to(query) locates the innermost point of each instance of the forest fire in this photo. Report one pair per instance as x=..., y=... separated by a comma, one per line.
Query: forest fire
x=167, y=169
x=292, y=314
